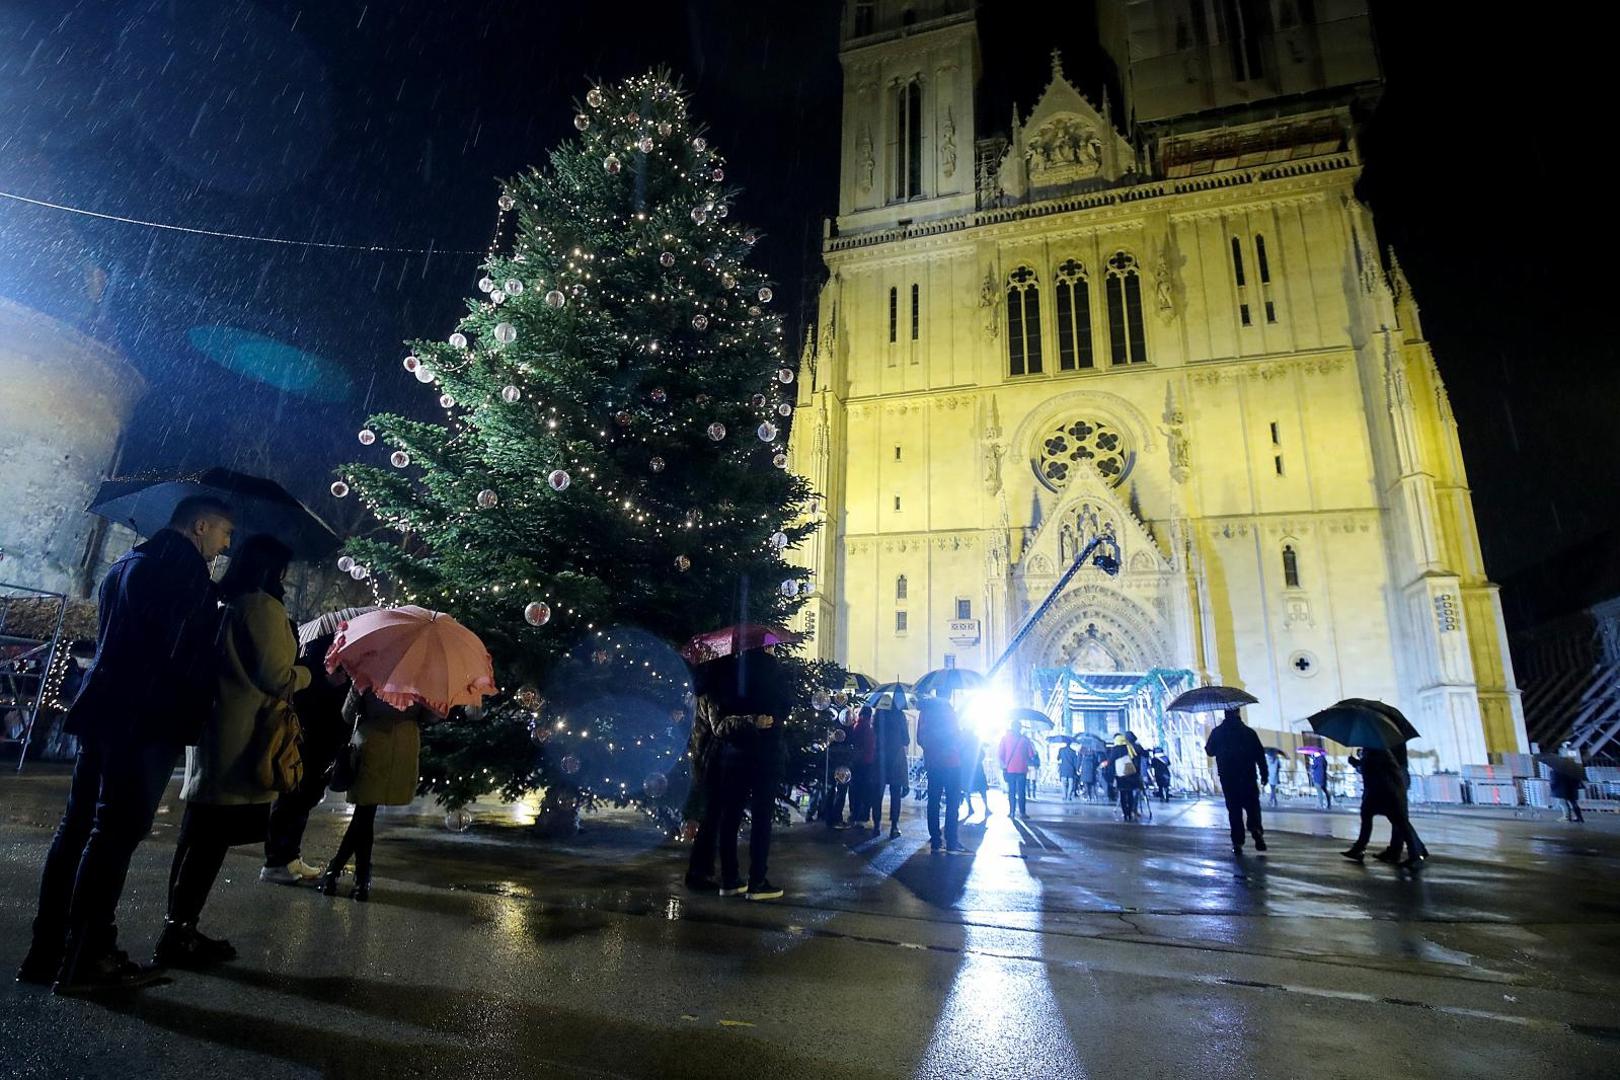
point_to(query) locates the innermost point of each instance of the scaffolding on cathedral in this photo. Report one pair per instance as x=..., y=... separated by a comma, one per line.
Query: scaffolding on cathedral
x=1114, y=702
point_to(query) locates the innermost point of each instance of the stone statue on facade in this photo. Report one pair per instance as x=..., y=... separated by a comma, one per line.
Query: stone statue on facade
x=993, y=453
x=990, y=301
x=868, y=163
x=947, y=145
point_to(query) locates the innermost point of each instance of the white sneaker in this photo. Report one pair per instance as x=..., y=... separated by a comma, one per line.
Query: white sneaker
x=304, y=870
x=279, y=875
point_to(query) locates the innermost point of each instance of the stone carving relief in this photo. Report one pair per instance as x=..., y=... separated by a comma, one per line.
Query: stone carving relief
x=990, y=301
x=1175, y=438
x=868, y=162
x=1065, y=148
x=947, y=145
x=1163, y=288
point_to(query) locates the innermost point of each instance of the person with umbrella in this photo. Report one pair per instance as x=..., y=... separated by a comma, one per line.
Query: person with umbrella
x=940, y=735
x=1273, y=773
x=1159, y=766
x=743, y=697
x=893, y=765
x=1127, y=763
x=1088, y=772
x=227, y=798
x=1240, y=761
x=1568, y=775
x=1068, y=763
x=1015, y=753
x=1319, y=776
x=864, y=778
x=409, y=666
x=144, y=698
x=320, y=714
x=1381, y=732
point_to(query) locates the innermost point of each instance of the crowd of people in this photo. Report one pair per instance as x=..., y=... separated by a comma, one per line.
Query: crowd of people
x=188, y=669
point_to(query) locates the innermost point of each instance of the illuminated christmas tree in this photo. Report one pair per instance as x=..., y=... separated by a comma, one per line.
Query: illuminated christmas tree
x=610, y=475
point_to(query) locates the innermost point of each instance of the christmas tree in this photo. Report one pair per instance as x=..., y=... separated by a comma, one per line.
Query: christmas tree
x=609, y=478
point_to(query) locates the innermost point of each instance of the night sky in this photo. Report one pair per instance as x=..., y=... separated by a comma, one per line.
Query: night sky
x=388, y=124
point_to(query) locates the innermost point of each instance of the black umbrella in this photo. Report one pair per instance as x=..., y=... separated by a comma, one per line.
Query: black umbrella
x=1212, y=699
x=1091, y=741
x=1354, y=723
x=1384, y=708
x=145, y=504
x=1566, y=767
x=943, y=682
x=1033, y=717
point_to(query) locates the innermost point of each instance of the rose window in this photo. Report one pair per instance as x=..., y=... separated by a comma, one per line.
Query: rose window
x=1075, y=441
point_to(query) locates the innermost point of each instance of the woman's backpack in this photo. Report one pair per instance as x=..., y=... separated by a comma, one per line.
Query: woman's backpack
x=279, y=765
x=1125, y=765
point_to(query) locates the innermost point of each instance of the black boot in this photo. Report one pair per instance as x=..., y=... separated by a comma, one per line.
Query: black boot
x=40, y=966
x=328, y=884
x=181, y=945
x=362, y=884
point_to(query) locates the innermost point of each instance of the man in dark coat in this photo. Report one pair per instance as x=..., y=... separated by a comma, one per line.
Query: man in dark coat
x=939, y=733
x=893, y=768
x=1240, y=761
x=144, y=699
x=1384, y=780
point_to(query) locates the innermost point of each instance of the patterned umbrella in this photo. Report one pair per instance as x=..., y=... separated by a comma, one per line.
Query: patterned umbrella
x=328, y=624
x=713, y=644
x=1212, y=699
x=412, y=656
x=900, y=696
x=860, y=684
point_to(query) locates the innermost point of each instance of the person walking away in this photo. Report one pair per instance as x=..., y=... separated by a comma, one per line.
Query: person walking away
x=319, y=707
x=1384, y=781
x=863, y=768
x=1068, y=763
x=1128, y=763
x=978, y=783
x=146, y=695
x=1015, y=753
x=1240, y=762
x=227, y=802
x=1159, y=766
x=1088, y=773
x=743, y=699
x=1274, y=777
x=940, y=736
x=387, y=744
x=893, y=766
x=1567, y=787
x=1319, y=780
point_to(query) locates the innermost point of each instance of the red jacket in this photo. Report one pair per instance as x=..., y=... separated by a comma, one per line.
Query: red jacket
x=1016, y=753
x=863, y=737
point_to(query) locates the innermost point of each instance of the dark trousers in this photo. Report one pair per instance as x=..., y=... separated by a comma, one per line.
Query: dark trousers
x=356, y=843
x=1244, y=801
x=1402, y=835
x=1130, y=788
x=1572, y=810
x=862, y=780
x=207, y=832
x=289, y=815
x=1071, y=786
x=896, y=797
x=112, y=799
x=1164, y=789
x=732, y=789
x=833, y=808
x=1017, y=791
x=944, y=785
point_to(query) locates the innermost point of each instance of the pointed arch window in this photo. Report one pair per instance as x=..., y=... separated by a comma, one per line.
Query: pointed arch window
x=894, y=313
x=1290, y=561
x=1264, y=265
x=906, y=146
x=1023, y=322
x=900, y=587
x=1073, y=317
x=1127, y=335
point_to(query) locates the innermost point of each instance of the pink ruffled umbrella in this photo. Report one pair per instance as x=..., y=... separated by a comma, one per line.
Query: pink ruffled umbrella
x=409, y=655
x=713, y=644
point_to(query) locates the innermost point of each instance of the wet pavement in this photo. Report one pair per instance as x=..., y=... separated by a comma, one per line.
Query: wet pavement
x=1070, y=945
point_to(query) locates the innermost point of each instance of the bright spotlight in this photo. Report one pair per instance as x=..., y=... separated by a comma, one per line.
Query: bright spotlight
x=986, y=711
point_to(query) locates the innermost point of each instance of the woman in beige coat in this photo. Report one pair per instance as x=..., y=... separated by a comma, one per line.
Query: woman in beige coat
x=226, y=804
x=387, y=744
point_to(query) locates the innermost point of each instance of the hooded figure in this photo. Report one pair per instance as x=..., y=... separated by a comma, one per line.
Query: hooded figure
x=1240, y=761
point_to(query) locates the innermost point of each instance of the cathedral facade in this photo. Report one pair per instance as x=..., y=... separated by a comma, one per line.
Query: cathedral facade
x=1167, y=320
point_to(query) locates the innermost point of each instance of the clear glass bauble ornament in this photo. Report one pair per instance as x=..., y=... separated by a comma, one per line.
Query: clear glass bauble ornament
x=790, y=588
x=780, y=461
x=659, y=395
x=622, y=418
x=645, y=144
x=701, y=399
x=537, y=613
x=682, y=563
x=765, y=294
x=700, y=144
x=766, y=432
x=559, y=480
x=784, y=409
x=718, y=175
x=717, y=431
x=506, y=202
x=399, y=459
x=486, y=284
x=634, y=118
x=666, y=259
x=779, y=540
x=722, y=210
x=656, y=464
x=366, y=436
x=505, y=333
x=611, y=164
x=446, y=401
x=340, y=490
x=727, y=281
x=750, y=238
x=665, y=128
x=820, y=700
x=699, y=214
x=555, y=299
x=753, y=309
x=581, y=122
x=655, y=785
x=511, y=394
x=806, y=588
x=458, y=820
x=758, y=401
x=458, y=340
x=709, y=263
x=840, y=735
x=570, y=764
x=528, y=696
x=694, y=515
x=513, y=286
x=424, y=374
x=593, y=98
x=412, y=363
x=487, y=499
x=784, y=375
x=700, y=322
x=345, y=563
x=359, y=573
x=842, y=773
x=497, y=297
